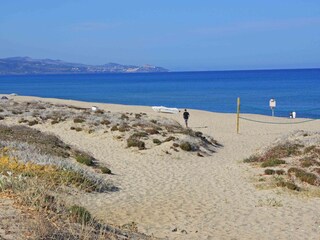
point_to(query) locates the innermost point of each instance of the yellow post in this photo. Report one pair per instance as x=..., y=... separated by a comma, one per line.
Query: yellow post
x=238, y=114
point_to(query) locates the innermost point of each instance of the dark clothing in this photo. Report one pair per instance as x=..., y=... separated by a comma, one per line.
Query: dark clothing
x=186, y=115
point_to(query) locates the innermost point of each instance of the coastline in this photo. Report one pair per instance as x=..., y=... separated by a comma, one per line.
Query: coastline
x=209, y=198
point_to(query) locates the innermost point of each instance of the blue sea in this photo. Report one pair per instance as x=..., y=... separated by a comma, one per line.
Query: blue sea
x=217, y=91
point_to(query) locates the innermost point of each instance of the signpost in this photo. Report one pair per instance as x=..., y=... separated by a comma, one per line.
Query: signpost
x=272, y=104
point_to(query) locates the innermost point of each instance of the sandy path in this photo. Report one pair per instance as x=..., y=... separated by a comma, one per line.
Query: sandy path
x=209, y=198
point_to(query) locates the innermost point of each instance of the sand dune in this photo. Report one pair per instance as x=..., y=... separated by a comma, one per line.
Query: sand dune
x=182, y=196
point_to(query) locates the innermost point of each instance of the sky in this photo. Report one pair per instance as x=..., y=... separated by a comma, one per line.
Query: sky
x=181, y=35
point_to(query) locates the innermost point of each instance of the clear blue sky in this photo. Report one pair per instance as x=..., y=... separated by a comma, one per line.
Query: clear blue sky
x=176, y=34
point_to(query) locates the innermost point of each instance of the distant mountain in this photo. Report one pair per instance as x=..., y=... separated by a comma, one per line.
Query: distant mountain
x=26, y=65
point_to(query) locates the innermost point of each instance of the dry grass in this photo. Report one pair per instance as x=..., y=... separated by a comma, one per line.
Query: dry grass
x=98, y=121
x=296, y=158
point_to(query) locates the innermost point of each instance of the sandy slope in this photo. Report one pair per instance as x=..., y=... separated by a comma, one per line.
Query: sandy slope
x=210, y=198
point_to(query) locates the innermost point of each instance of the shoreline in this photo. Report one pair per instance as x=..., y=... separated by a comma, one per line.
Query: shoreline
x=212, y=197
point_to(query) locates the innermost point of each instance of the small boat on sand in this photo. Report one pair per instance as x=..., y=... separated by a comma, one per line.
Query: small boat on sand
x=163, y=109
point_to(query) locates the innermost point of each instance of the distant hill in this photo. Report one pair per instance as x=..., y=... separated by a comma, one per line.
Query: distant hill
x=26, y=65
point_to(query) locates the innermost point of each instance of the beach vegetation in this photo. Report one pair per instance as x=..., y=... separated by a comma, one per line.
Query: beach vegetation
x=137, y=116
x=304, y=176
x=105, y=122
x=44, y=143
x=79, y=120
x=289, y=185
x=152, y=131
x=79, y=214
x=124, y=117
x=186, y=146
x=105, y=170
x=272, y=162
x=269, y=171
x=175, y=144
x=133, y=142
x=114, y=128
x=156, y=141
x=84, y=158
x=33, y=122
x=171, y=138
x=280, y=172
x=139, y=135
x=308, y=162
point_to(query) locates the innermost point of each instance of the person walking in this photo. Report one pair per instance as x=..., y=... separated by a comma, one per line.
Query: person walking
x=186, y=117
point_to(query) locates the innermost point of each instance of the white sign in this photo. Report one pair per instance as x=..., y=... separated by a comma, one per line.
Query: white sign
x=272, y=103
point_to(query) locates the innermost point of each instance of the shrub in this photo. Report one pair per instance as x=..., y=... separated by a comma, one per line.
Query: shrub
x=280, y=172
x=55, y=121
x=199, y=154
x=272, y=163
x=44, y=143
x=114, y=128
x=139, y=135
x=304, y=176
x=168, y=139
x=33, y=122
x=308, y=162
x=132, y=142
x=123, y=128
x=105, y=122
x=99, y=111
x=1, y=117
x=79, y=214
x=251, y=159
x=16, y=112
x=175, y=145
x=309, y=149
x=288, y=185
x=186, y=146
x=137, y=116
x=156, y=141
x=22, y=120
x=78, y=120
x=105, y=170
x=153, y=121
x=152, y=131
x=85, y=159
x=269, y=171
x=124, y=117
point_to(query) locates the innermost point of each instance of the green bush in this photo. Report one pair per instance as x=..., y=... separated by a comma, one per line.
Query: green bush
x=156, y=141
x=114, y=128
x=288, y=185
x=269, y=171
x=105, y=170
x=168, y=139
x=272, y=162
x=186, y=146
x=105, y=122
x=33, y=122
x=251, y=159
x=79, y=214
x=304, y=176
x=78, y=120
x=132, y=142
x=139, y=135
x=85, y=159
x=280, y=172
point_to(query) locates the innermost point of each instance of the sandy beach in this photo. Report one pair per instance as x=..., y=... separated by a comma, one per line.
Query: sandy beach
x=177, y=195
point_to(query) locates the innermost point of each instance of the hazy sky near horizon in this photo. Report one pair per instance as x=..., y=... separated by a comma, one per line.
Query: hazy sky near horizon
x=179, y=35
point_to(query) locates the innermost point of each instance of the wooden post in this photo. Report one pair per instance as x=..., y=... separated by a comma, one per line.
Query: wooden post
x=238, y=114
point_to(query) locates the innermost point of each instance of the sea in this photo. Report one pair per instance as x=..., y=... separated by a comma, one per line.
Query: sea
x=216, y=91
